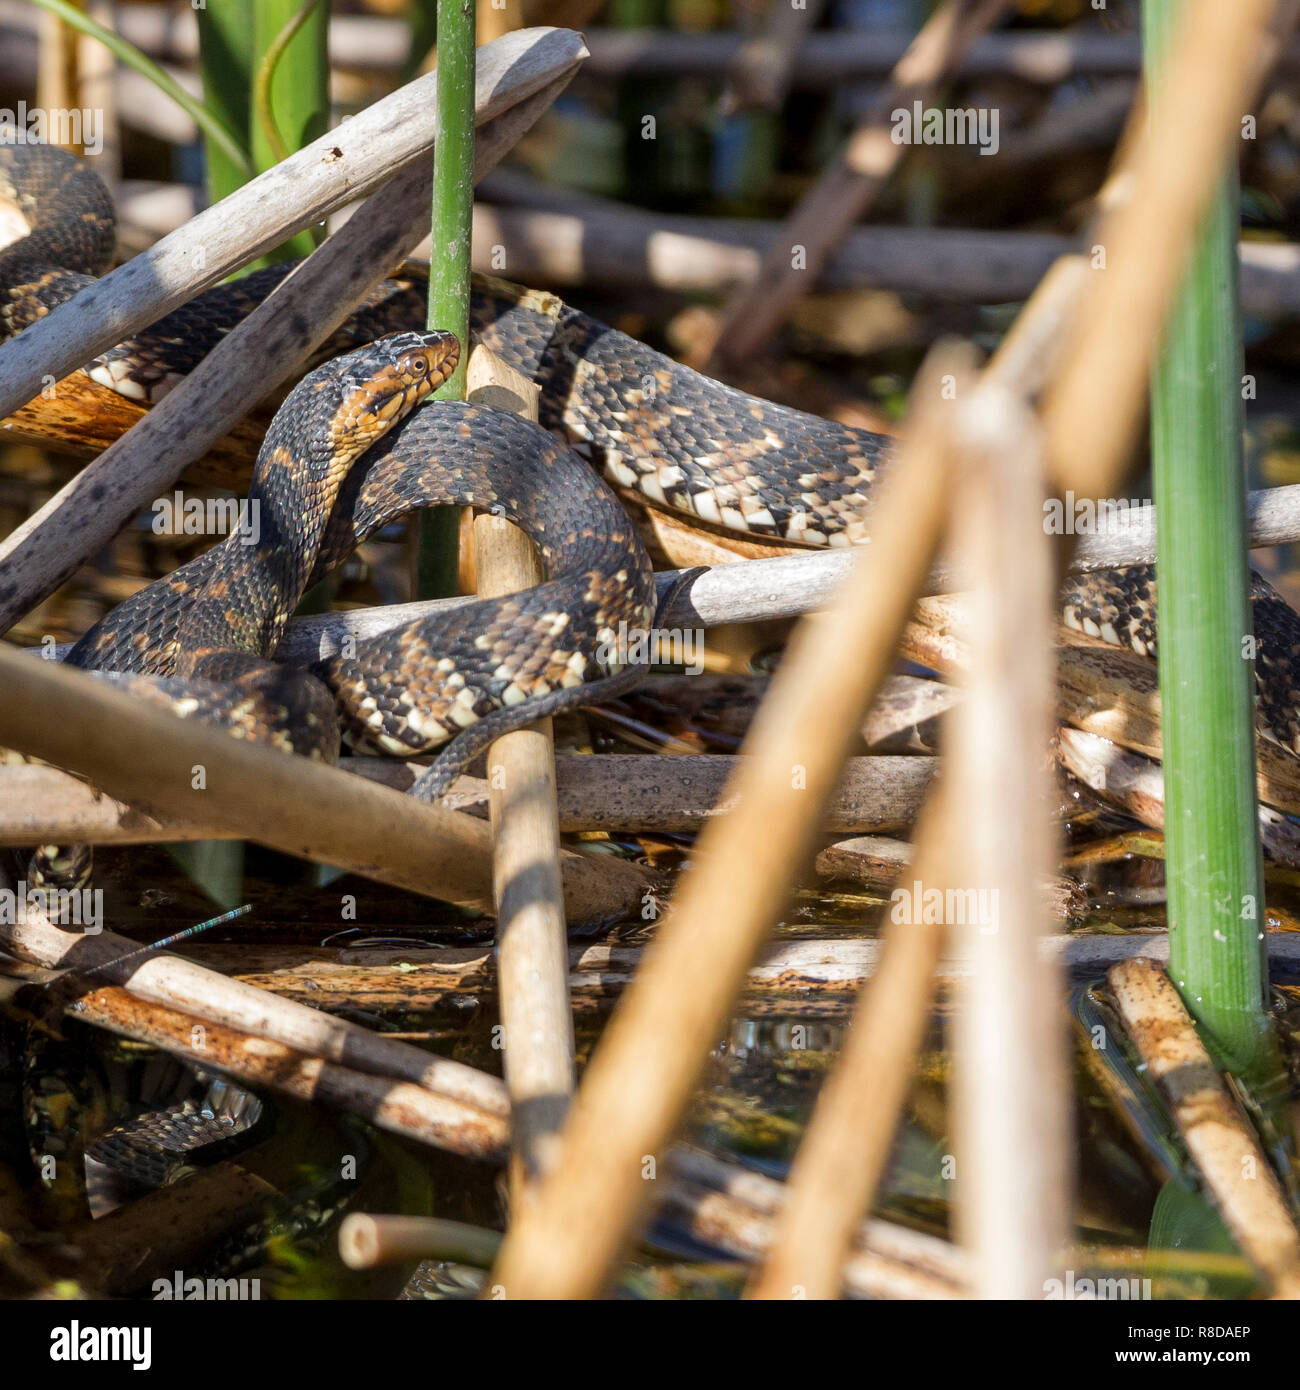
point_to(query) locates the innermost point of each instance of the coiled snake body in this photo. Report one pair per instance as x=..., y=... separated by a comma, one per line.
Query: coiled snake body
x=681, y=440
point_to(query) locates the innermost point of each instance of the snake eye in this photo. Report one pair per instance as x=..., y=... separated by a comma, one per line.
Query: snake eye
x=420, y=366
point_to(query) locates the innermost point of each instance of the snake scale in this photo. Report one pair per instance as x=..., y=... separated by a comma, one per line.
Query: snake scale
x=353, y=448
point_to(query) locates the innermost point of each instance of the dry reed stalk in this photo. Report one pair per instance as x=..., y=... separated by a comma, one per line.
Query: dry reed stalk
x=1012, y=1083
x=147, y=756
x=532, y=946
x=1171, y=165
x=566, y=1242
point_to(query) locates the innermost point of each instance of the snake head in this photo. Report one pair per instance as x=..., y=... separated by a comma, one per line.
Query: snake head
x=370, y=390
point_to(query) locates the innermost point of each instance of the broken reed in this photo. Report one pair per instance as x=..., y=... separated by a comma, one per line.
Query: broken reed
x=451, y=231
x=1215, y=874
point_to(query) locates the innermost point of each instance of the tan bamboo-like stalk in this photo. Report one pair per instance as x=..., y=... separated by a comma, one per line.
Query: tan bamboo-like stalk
x=1011, y=1081
x=566, y=1242
x=532, y=948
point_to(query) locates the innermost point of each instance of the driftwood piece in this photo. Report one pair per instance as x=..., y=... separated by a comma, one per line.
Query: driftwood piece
x=613, y=247
x=41, y=805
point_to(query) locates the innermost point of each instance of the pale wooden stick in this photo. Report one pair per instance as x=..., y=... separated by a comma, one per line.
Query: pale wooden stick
x=532, y=946
x=1011, y=1078
x=1220, y=1140
x=367, y=1241
x=788, y=585
x=850, y=184
x=566, y=1242
x=182, y=985
x=347, y=162
x=41, y=805
x=145, y=755
x=261, y=353
x=414, y=1111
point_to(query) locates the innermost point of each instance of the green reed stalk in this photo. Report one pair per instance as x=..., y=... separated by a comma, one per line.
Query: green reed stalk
x=226, y=67
x=452, y=228
x=218, y=130
x=290, y=98
x=1215, y=875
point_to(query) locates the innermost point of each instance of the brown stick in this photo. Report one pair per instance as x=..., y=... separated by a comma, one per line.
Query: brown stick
x=565, y=1244
x=185, y=768
x=41, y=805
x=531, y=943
